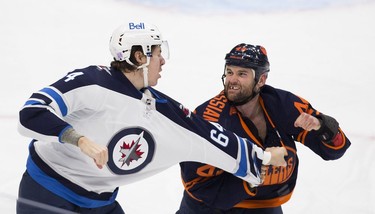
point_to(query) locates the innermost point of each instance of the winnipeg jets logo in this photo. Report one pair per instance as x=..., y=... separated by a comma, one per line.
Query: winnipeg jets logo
x=130, y=150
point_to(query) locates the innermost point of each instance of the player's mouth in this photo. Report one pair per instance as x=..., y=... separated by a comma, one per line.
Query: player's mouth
x=233, y=88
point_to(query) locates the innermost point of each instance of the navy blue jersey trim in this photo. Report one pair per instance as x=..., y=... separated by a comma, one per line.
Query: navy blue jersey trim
x=59, y=100
x=94, y=75
x=41, y=97
x=57, y=188
x=156, y=95
x=41, y=172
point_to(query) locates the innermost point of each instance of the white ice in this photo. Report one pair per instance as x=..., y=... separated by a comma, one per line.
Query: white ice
x=326, y=55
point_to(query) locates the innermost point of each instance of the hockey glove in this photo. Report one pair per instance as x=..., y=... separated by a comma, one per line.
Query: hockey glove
x=329, y=127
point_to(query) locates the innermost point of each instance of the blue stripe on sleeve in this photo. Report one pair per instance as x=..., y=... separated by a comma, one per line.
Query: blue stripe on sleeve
x=60, y=102
x=242, y=170
x=32, y=102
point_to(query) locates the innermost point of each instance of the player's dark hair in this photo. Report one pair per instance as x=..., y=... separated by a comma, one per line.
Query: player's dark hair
x=123, y=65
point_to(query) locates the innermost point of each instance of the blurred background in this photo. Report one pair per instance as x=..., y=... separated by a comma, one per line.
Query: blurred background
x=320, y=50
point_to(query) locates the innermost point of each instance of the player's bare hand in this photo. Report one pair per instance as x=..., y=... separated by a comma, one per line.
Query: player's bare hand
x=98, y=152
x=307, y=122
x=277, y=156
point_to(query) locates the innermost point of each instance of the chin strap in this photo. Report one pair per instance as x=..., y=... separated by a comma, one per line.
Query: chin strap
x=144, y=68
x=145, y=77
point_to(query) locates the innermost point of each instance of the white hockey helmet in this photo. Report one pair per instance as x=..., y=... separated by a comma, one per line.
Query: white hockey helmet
x=130, y=34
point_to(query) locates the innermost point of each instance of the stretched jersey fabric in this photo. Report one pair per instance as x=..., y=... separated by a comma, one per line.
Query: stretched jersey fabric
x=144, y=135
x=220, y=190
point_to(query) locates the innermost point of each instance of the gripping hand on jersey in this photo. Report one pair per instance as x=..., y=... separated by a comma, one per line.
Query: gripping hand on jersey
x=277, y=156
x=98, y=152
x=273, y=156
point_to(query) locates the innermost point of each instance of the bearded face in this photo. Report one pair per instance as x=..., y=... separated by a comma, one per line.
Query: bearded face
x=239, y=83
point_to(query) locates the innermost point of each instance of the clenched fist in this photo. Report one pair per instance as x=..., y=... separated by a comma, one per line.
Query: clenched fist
x=307, y=122
x=98, y=152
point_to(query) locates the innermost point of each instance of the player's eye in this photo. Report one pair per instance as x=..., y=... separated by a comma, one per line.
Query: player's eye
x=229, y=72
x=242, y=74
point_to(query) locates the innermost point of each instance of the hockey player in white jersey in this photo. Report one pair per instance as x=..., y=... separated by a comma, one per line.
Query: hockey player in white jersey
x=99, y=128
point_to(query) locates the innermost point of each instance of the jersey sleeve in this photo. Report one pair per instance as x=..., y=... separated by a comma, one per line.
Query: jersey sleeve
x=311, y=139
x=41, y=117
x=238, y=156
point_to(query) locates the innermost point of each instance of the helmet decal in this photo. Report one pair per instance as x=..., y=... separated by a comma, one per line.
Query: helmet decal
x=249, y=56
x=130, y=34
x=263, y=50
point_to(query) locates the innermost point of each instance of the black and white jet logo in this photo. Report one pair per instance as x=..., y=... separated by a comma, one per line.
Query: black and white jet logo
x=130, y=150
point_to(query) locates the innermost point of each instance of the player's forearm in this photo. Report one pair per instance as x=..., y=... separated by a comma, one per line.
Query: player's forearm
x=71, y=136
x=40, y=124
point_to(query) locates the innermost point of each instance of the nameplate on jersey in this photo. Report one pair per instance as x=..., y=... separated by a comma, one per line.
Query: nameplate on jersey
x=130, y=150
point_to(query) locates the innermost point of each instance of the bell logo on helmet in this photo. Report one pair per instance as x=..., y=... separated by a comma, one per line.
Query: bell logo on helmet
x=135, y=33
x=139, y=26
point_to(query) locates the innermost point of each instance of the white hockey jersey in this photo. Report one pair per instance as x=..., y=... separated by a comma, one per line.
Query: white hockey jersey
x=144, y=136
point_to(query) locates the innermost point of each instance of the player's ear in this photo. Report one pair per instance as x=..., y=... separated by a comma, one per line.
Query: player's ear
x=139, y=57
x=262, y=80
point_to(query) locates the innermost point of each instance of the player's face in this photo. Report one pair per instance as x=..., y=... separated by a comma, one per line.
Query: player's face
x=239, y=83
x=154, y=68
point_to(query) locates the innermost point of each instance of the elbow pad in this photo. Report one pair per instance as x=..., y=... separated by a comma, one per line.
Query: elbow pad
x=329, y=127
